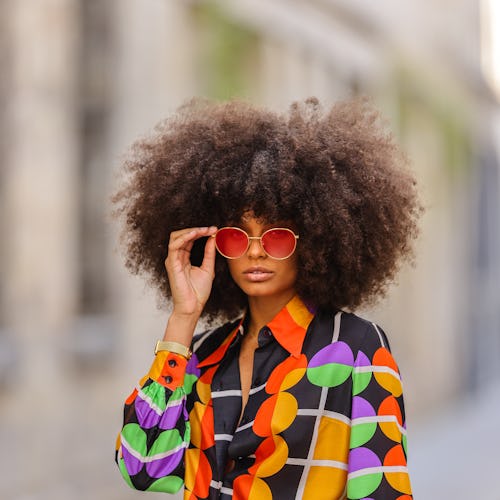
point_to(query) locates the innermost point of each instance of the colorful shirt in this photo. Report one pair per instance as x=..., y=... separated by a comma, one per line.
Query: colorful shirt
x=324, y=418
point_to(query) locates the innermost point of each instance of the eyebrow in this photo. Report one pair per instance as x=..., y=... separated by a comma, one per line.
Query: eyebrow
x=265, y=226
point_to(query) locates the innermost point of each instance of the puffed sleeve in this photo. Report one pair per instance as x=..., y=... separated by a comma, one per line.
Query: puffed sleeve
x=377, y=466
x=155, y=434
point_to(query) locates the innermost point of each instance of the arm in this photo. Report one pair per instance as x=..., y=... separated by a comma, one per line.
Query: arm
x=377, y=456
x=150, y=448
x=156, y=430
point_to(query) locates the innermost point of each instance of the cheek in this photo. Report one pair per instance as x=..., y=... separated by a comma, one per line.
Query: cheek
x=235, y=267
x=292, y=264
x=293, y=274
x=287, y=271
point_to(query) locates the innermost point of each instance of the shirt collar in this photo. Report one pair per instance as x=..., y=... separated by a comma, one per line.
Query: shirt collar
x=219, y=353
x=289, y=326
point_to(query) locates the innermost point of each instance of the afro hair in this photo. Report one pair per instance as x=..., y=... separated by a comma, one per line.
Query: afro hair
x=336, y=174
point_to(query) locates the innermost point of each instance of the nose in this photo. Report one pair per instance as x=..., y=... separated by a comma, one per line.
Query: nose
x=255, y=249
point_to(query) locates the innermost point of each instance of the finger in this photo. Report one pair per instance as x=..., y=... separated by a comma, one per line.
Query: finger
x=208, y=264
x=176, y=234
x=182, y=242
x=179, y=251
x=190, y=233
x=201, y=229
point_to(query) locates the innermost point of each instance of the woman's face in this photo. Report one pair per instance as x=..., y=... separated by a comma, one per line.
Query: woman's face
x=259, y=275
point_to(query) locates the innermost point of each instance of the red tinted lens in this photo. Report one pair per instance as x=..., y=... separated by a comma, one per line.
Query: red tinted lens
x=231, y=242
x=278, y=243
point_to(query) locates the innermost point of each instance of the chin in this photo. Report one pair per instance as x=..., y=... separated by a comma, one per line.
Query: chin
x=265, y=290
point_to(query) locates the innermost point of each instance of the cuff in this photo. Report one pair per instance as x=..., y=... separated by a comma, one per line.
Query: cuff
x=168, y=369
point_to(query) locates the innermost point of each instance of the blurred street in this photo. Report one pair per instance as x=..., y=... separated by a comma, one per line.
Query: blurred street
x=454, y=454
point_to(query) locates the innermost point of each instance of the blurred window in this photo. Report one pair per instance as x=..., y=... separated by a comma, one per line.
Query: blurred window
x=92, y=338
x=94, y=120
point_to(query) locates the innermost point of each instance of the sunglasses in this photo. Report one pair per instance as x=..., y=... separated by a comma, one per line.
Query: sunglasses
x=278, y=242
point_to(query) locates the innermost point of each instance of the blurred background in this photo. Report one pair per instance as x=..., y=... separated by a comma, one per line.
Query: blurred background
x=81, y=79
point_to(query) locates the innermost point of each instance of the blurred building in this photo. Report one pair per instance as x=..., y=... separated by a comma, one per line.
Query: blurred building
x=81, y=79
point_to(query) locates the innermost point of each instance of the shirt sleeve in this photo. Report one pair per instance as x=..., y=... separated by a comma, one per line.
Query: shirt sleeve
x=377, y=466
x=150, y=447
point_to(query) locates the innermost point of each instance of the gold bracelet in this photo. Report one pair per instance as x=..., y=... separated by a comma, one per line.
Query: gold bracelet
x=173, y=347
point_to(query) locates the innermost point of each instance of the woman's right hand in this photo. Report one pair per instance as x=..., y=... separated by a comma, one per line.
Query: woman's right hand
x=190, y=285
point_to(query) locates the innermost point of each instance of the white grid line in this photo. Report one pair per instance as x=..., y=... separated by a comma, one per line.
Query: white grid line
x=257, y=389
x=152, y=458
x=149, y=401
x=223, y=394
x=236, y=392
x=223, y=437
x=375, y=470
x=201, y=340
x=321, y=408
x=323, y=463
x=314, y=412
x=381, y=338
x=379, y=419
x=216, y=484
x=377, y=369
x=336, y=327
x=243, y=427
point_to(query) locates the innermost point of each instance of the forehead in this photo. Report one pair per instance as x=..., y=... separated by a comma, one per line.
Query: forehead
x=249, y=216
x=250, y=221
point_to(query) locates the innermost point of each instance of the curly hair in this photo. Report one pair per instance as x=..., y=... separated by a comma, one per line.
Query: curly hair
x=336, y=174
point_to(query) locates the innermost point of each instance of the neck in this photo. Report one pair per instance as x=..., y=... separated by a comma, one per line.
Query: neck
x=264, y=309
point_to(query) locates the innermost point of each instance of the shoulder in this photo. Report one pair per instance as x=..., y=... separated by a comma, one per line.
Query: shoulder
x=371, y=353
x=358, y=333
x=205, y=343
x=361, y=333
x=360, y=348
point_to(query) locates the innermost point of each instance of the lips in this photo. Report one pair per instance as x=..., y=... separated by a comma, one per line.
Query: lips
x=258, y=273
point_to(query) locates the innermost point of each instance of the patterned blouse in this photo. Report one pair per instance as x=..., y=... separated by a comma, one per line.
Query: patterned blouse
x=324, y=418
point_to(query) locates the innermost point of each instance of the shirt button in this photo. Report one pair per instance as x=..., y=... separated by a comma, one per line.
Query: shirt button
x=229, y=466
x=168, y=379
x=267, y=331
x=172, y=363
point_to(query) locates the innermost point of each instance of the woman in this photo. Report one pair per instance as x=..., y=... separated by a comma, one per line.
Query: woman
x=284, y=222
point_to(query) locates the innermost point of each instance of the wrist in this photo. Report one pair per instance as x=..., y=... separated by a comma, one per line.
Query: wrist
x=180, y=328
x=173, y=348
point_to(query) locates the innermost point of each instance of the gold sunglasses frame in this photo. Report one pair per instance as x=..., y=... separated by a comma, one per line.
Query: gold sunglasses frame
x=296, y=236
